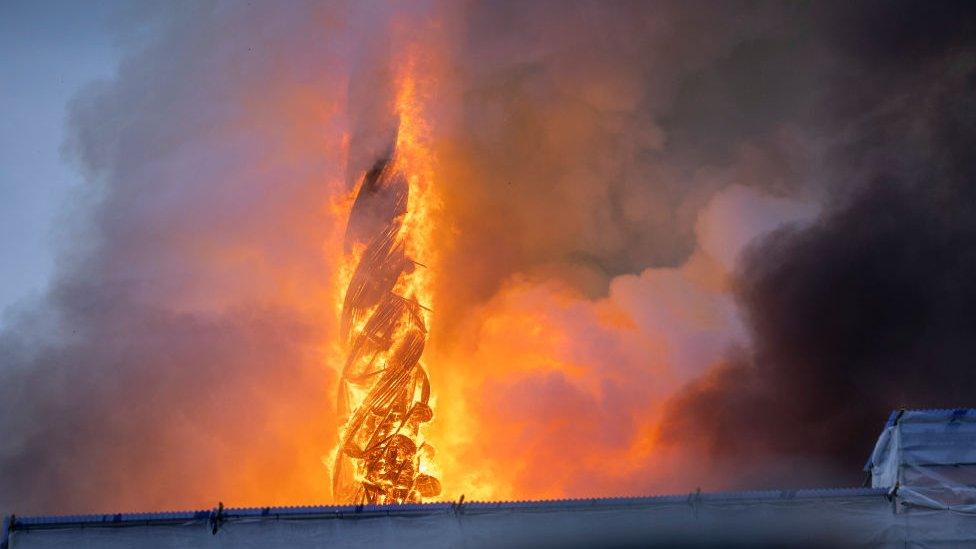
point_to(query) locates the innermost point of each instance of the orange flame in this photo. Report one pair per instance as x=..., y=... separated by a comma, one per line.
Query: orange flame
x=384, y=393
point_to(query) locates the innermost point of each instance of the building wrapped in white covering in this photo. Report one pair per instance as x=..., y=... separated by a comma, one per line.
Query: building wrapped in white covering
x=922, y=494
x=928, y=458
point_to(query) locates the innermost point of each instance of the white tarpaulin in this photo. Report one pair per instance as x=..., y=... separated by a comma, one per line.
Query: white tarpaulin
x=928, y=459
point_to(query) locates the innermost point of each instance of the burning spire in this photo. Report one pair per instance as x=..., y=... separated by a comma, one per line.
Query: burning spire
x=384, y=392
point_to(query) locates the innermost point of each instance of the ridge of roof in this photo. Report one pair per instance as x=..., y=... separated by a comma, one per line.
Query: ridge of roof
x=364, y=511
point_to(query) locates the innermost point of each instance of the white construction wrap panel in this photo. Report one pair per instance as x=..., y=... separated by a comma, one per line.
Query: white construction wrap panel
x=927, y=458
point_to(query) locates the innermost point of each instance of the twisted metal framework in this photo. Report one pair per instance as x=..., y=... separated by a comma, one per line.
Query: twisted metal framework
x=384, y=390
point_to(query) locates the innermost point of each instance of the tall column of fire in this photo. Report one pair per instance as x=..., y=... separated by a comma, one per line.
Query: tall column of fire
x=384, y=394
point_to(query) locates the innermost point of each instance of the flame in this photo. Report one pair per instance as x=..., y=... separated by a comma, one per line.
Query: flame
x=384, y=393
x=544, y=392
x=415, y=159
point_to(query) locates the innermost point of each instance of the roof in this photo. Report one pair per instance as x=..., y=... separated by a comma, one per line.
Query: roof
x=219, y=513
x=514, y=522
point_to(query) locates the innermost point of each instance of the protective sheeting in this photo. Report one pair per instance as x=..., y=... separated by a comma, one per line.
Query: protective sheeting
x=928, y=459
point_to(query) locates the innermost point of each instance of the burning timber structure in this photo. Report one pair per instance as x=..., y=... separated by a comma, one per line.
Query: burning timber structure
x=384, y=392
x=922, y=492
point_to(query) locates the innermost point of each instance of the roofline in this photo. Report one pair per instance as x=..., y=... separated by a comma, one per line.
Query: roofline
x=217, y=516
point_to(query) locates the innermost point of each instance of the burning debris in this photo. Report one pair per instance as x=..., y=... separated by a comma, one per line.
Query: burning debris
x=384, y=392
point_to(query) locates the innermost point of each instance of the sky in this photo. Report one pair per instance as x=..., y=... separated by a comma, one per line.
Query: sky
x=44, y=60
x=668, y=245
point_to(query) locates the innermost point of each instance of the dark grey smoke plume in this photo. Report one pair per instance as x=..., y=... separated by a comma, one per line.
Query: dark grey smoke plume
x=872, y=308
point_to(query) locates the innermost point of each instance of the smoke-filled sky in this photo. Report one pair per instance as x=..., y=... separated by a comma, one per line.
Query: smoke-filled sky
x=675, y=245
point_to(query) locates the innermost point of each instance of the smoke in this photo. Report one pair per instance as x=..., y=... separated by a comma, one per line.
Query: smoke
x=599, y=169
x=550, y=393
x=870, y=308
x=563, y=161
x=179, y=357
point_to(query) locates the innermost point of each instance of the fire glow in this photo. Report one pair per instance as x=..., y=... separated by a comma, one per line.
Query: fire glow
x=535, y=389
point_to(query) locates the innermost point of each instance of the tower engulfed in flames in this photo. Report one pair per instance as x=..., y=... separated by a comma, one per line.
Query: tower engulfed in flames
x=384, y=393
